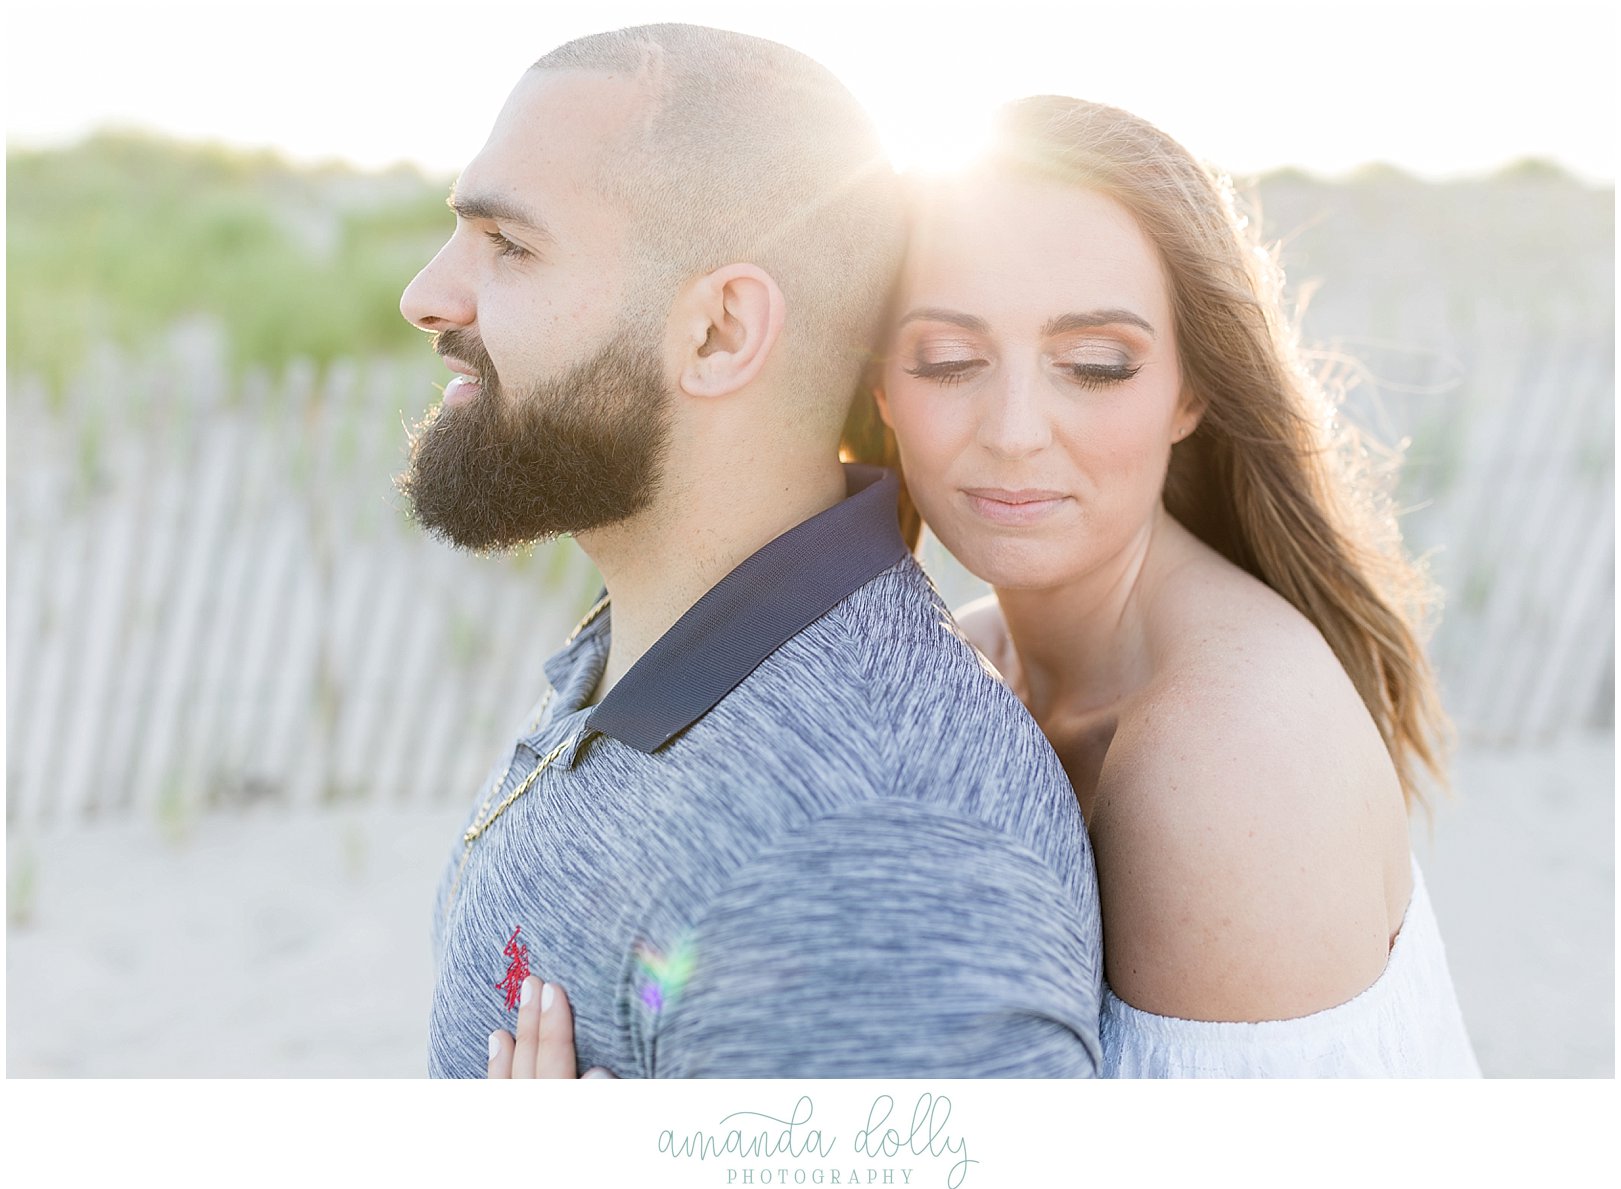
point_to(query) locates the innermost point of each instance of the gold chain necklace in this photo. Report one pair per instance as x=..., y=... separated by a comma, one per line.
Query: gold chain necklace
x=485, y=818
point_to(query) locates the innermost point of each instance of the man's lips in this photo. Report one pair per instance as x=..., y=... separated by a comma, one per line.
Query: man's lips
x=1024, y=506
x=465, y=386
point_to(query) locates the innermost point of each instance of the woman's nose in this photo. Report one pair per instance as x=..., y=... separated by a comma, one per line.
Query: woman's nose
x=438, y=297
x=1014, y=423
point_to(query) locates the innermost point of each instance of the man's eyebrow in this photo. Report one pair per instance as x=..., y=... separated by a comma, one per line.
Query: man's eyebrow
x=951, y=317
x=496, y=209
x=1068, y=322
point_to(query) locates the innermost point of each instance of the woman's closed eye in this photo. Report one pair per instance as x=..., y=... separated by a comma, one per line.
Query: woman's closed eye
x=1100, y=375
x=1087, y=375
x=945, y=371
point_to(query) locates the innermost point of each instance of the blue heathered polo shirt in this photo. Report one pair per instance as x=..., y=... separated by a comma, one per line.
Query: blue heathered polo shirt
x=808, y=834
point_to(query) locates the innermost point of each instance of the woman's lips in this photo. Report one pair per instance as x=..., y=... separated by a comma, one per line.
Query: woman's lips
x=1013, y=507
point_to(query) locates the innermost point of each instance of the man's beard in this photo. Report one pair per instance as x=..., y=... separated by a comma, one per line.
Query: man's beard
x=572, y=454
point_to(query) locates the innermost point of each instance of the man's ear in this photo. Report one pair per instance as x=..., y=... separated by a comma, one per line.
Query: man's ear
x=728, y=321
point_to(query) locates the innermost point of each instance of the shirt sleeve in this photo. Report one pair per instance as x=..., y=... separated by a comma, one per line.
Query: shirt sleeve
x=886, y=940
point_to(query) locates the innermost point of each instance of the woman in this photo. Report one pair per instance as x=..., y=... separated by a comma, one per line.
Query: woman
x=1095, y=401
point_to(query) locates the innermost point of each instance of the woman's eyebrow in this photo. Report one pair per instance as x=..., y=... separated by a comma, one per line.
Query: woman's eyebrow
x=1067, y=322
x=952, y=317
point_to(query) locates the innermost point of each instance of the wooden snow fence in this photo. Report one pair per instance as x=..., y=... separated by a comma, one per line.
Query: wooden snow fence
x=1518, y=518
x=215, y=598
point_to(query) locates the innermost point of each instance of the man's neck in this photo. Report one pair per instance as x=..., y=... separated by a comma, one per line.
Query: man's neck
x=661, y=562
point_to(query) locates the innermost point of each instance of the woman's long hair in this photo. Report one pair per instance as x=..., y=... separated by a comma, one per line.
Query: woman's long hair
x=1271, y=478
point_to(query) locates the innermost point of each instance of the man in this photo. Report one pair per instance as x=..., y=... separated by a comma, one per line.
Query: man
x=775, y=818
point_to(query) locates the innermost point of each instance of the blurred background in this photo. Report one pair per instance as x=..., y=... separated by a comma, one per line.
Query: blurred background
x=248, y=704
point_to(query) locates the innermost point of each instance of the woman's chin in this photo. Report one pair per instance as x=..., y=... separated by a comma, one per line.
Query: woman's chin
x=1009, y=563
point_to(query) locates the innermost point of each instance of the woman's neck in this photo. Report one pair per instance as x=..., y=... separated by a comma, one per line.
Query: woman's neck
x=1083, y=647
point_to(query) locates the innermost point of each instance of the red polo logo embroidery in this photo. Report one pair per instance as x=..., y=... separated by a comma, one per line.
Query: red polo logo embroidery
x=517, y=968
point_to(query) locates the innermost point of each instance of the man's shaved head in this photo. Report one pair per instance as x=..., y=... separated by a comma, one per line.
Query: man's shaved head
x=748, y=151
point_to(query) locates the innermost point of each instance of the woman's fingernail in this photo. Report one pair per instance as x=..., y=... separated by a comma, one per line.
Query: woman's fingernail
x=547, y=994
x=495, y=1044
x=527, y=993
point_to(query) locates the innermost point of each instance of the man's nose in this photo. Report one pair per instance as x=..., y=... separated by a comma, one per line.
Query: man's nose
x=1014, y=422
x=438, y=298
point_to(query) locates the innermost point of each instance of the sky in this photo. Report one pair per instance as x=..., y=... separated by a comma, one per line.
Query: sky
x=1439, y=89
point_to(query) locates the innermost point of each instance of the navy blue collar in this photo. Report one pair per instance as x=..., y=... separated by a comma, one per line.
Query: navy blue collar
x=768, y=599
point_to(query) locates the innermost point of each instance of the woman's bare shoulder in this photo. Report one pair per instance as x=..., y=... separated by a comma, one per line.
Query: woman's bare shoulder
x=1245, y=818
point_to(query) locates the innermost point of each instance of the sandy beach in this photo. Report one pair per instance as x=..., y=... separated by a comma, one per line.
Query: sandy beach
x=271, y=944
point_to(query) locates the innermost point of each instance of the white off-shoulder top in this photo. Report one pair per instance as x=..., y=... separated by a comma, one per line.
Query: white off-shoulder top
x=1406, y=1025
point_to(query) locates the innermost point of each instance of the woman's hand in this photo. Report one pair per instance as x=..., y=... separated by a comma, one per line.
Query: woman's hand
x=545, y=1044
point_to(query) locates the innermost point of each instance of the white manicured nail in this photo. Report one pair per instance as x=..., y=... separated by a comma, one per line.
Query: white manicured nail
x=527, y=993
x=547, y=994
x=495, y=1044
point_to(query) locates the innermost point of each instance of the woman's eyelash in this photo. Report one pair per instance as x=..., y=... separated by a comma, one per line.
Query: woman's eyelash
x=506, y=246
x=1097, y=375
x=949, y=371
x=1088, y=375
